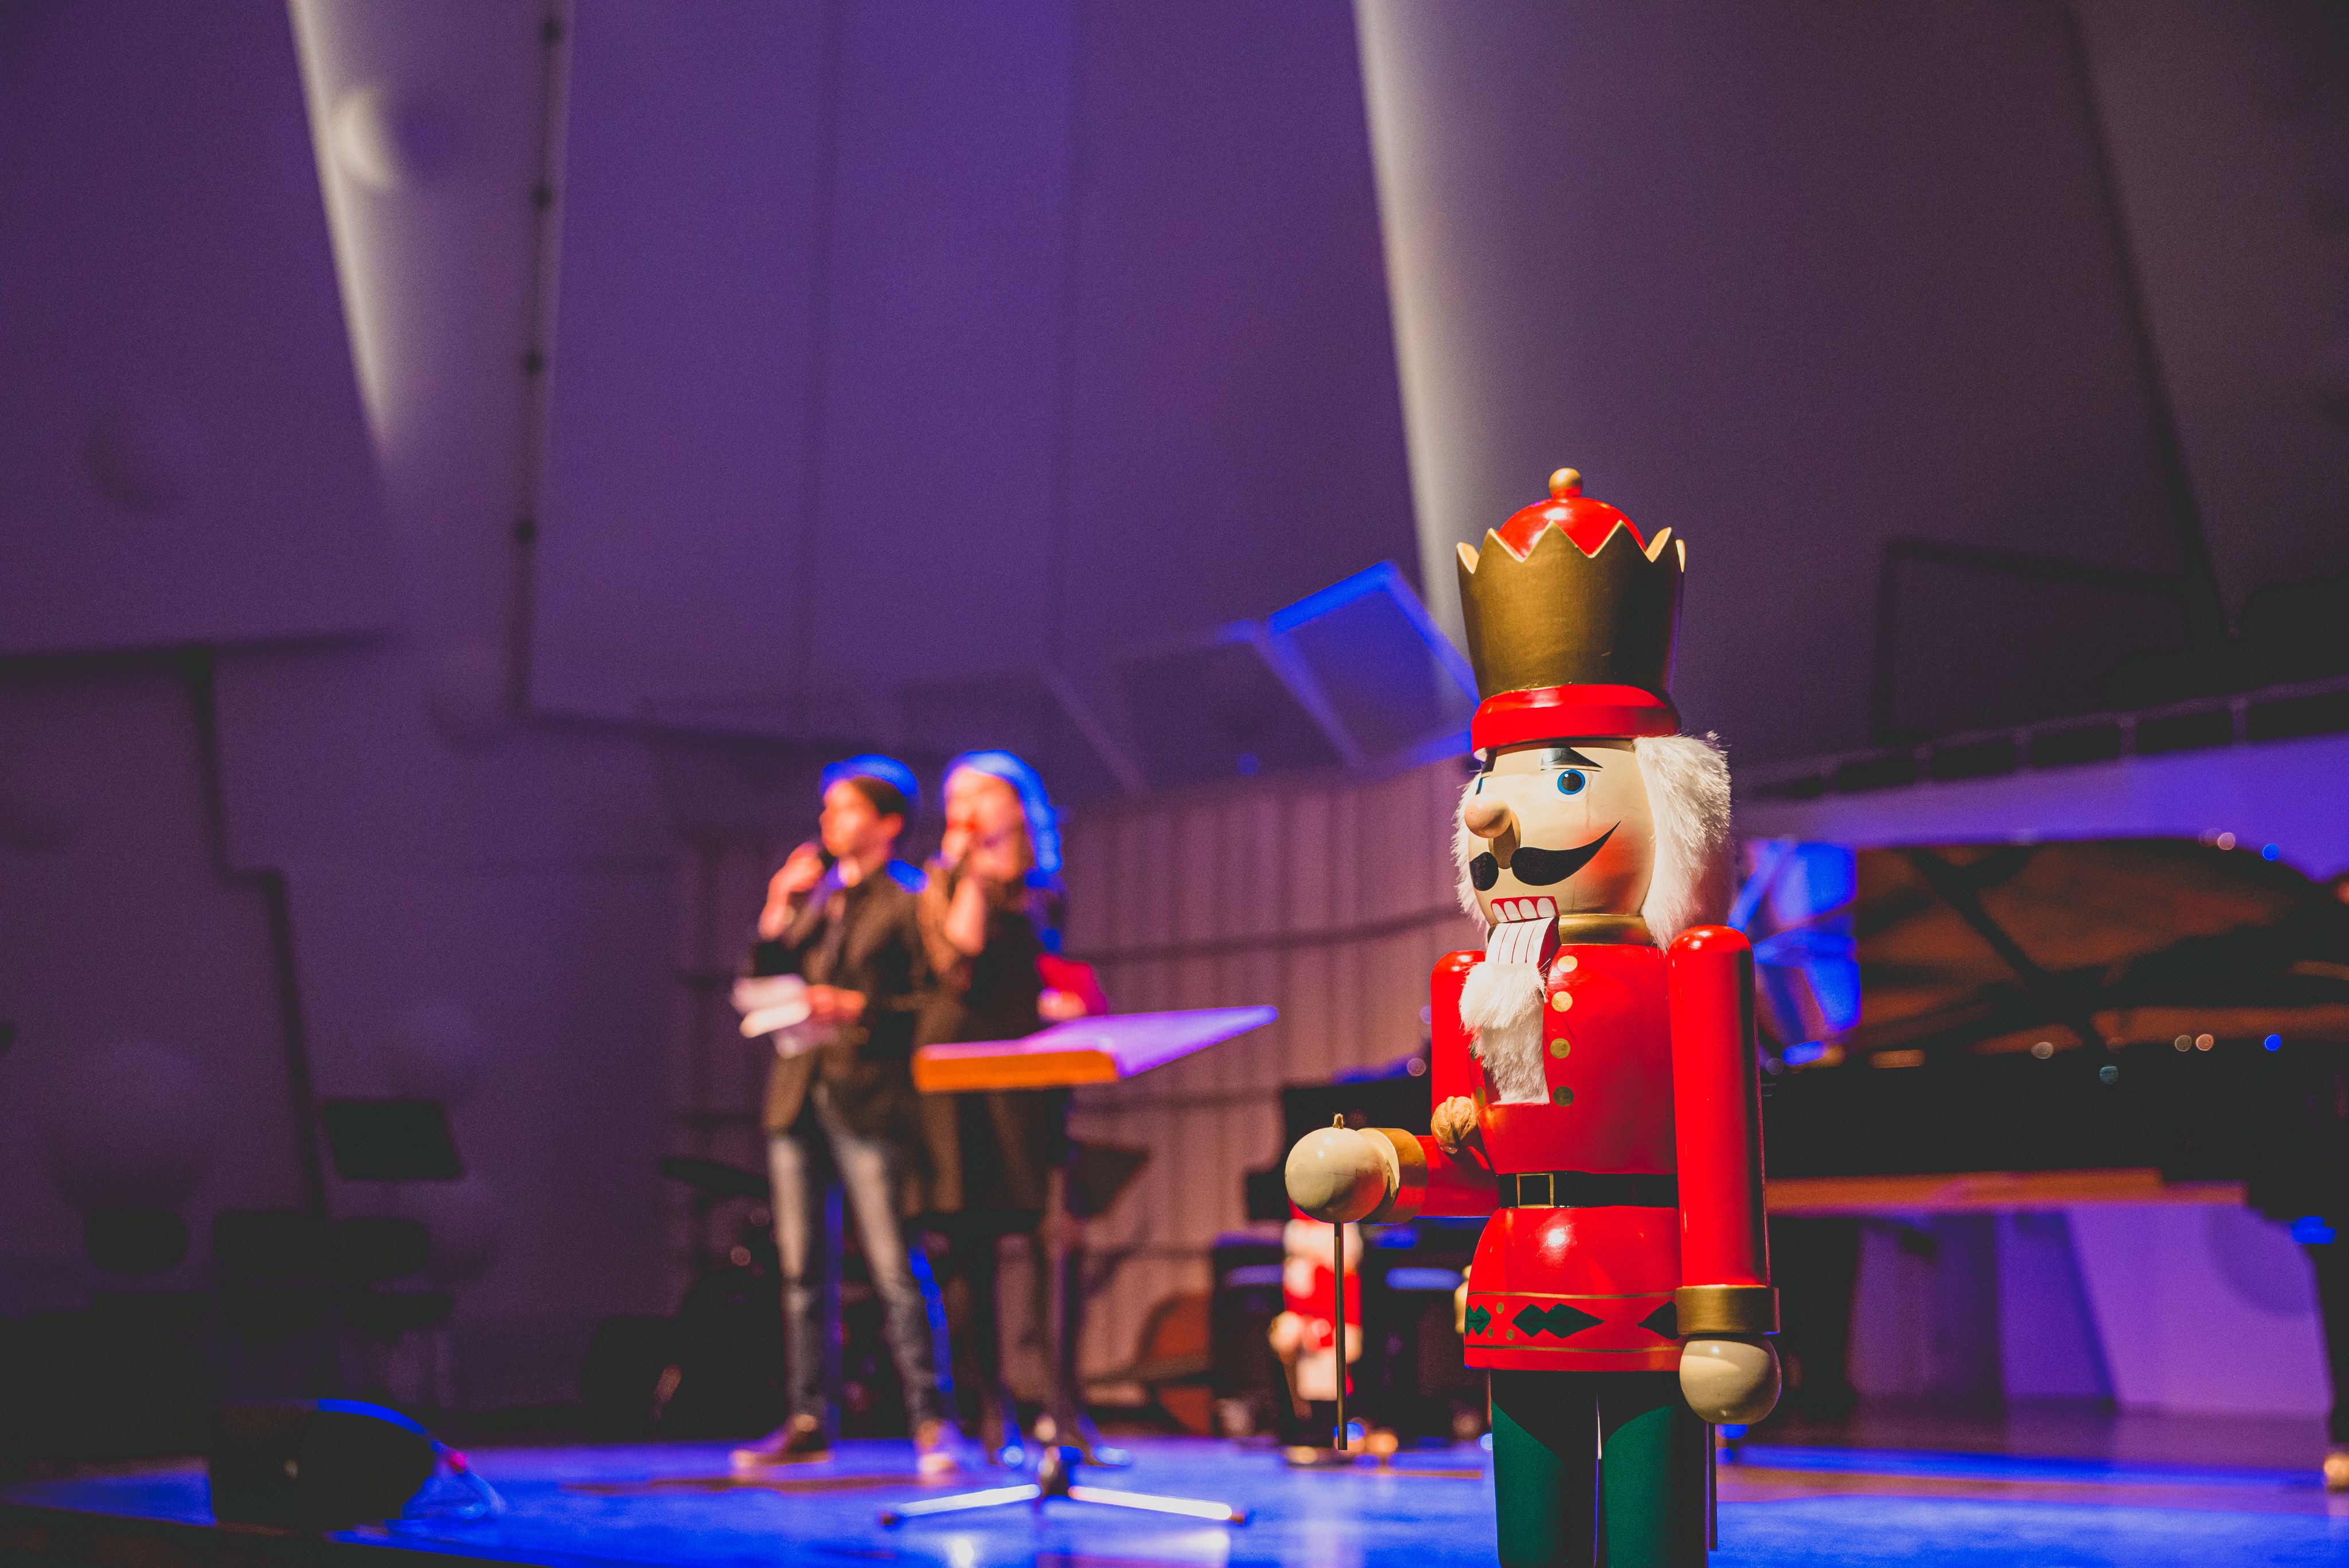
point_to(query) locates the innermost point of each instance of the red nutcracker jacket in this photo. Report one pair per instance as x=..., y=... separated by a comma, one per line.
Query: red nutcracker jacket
x=1627, y=1211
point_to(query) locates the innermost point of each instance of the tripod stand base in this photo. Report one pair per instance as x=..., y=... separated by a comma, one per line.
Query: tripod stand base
x=1078, y=1432
x=1056, y=1478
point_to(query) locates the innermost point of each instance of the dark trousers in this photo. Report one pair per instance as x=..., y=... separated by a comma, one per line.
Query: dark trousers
x=1559, y=1507
x=2331, y=1265
x=871, y=1172
x=967, y=1281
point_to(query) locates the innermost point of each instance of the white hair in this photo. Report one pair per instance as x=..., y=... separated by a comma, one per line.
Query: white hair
x=1695, y=872
x=1501, y=1005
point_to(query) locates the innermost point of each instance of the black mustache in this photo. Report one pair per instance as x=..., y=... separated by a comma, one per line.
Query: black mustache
x=1536, y=868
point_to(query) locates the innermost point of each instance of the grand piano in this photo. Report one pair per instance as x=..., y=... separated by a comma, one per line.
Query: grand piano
x=1999, y=1024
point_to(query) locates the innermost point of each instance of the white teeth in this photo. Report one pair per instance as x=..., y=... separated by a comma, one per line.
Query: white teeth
x=1521, y=927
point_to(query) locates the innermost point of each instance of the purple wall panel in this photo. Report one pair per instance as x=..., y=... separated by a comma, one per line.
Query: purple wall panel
x=947, y=289
x=1238, y=435
x=684, y=367
x=118, y=926
x=186, y=458
x=1039, y=329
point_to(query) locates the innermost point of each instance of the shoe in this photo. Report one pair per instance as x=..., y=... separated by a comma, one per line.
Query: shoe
x=940, y=1449
x=798, y=1441
x=2336, y=1468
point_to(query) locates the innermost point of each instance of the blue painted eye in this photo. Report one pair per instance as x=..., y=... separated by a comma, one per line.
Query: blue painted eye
x=1571, y=782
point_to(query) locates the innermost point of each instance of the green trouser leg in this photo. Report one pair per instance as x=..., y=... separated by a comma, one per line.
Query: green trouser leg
x=1553, y=1495
x=1653, y=1472
x=1545, y=1467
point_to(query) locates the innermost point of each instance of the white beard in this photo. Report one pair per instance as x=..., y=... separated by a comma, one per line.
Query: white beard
x=1502, y=1003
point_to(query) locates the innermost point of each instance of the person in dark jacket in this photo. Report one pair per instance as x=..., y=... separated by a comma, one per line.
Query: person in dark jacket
x=841, y=914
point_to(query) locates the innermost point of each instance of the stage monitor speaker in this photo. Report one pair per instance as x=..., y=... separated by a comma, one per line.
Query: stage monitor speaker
x=327, y=1466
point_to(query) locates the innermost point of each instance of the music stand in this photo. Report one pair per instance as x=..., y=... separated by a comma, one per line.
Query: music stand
x=1106, y=1050
x=391, y=1140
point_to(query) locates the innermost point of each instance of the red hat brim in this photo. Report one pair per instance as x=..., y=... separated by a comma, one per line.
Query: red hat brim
x=1566, y=712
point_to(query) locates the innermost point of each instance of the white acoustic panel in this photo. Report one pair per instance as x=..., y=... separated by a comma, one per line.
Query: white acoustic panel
x=186, y=458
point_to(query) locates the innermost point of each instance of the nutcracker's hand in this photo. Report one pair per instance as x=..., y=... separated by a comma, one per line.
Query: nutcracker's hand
x=1729, y=1381
x=1454, y=1124
x=1337, y=1174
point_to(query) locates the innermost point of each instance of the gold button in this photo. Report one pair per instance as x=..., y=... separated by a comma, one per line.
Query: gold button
x=1562, y=1096
x=1560, y=1048
x=1561, y=999
x=1569, y=963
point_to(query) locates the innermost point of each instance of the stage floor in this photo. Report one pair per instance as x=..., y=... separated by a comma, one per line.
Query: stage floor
x=1811, y=1506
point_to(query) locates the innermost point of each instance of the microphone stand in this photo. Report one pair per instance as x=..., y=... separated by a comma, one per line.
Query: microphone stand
x=1337, y=1312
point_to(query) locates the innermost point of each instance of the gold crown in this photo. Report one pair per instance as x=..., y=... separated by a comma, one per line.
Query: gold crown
x=1564, y=593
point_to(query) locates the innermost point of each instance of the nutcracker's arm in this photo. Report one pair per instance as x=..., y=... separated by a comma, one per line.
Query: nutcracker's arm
x=1458, y=1184
x=1717, y=1134
x=1335, y=1172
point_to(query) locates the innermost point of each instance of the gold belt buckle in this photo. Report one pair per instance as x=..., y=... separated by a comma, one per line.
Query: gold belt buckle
x=1549, y=1191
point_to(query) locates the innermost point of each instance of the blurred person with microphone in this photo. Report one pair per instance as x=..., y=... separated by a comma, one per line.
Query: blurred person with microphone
x=989, y=921
x=839, y=977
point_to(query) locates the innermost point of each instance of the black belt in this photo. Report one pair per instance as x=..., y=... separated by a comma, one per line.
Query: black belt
x=1588, y=1189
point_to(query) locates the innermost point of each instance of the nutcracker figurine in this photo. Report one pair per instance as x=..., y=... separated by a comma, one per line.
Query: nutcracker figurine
x=1594, y=1072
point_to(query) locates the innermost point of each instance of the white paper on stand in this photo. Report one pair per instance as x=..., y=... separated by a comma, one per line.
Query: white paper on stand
x=771, y=1003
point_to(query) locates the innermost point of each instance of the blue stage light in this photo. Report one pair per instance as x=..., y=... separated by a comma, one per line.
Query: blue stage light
x=1795, y=905
x=2273, y=1042
x=1375, y=579
x=2269, y=851
x=1808, y=1051
x=2110, y=1075
x=2310, y=1231
x=1442, y=1280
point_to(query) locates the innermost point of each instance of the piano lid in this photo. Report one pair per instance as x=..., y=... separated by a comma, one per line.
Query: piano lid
x=2103, y=944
